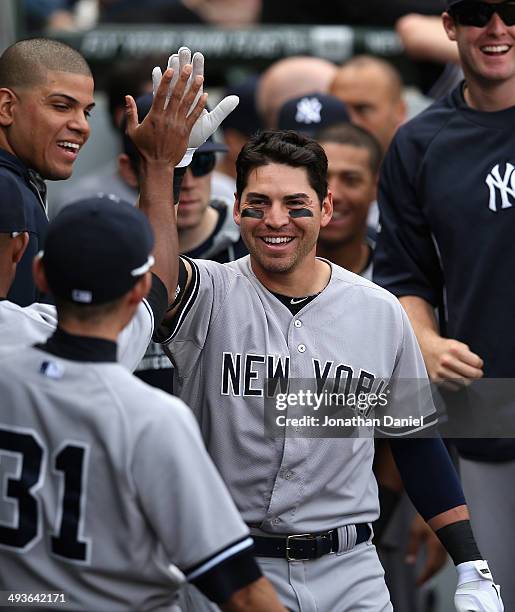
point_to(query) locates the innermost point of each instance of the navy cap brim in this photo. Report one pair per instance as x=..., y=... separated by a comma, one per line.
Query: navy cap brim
x=210, y=146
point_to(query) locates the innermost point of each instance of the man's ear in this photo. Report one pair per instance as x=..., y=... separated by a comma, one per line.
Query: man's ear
x=327, y=209
x=140, y=289
x=7, y=101
x=19, y=244
x=236, y=210
x=127, y=171
x=38, y=273
x=449, y=26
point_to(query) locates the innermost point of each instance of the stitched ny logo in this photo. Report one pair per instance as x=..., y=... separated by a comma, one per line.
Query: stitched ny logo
x=504, y=185
x=308, y=111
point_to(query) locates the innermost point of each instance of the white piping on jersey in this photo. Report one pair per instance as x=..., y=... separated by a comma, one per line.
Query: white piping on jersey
x=185, y=308
x=228, y=552
x=400, y=434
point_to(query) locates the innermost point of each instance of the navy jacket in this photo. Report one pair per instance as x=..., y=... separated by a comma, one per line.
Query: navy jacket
x=17, y=182
x=447, y=203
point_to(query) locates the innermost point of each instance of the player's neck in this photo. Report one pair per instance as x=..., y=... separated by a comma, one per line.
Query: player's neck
x=106, y=328
x=490, y=97
x=191, y=238
x=353, y=255
x=78, y=328
x=308, y=278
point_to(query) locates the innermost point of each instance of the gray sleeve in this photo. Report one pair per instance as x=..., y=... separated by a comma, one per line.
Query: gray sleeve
x=409, y=394
x=185, y=499
x=135, y=337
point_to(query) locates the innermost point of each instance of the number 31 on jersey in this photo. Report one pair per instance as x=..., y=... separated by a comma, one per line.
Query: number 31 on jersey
x=23, y=472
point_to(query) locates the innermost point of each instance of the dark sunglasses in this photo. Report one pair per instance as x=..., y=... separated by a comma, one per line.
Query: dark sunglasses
x=478, y=14
x=202, y=164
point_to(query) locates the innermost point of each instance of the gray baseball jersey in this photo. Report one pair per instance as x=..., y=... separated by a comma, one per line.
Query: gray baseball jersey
x=35, y=323
x=104, y=482
x=232, y=333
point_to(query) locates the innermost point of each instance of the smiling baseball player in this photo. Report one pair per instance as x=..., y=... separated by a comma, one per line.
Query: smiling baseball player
x=281, y=313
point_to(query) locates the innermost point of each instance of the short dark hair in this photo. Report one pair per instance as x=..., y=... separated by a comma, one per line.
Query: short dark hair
x=350, y=134
x=283, y=147
x=90, y=313
x=25, y=63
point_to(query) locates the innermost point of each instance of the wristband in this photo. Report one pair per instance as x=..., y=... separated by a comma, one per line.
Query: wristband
x=459, y=542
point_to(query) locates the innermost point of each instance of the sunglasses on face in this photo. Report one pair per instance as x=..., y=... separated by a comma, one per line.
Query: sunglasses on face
x=202, y=164
x=478, y=14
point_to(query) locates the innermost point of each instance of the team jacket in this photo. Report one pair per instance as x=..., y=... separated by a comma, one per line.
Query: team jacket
x=446, y=197
x=17, y=182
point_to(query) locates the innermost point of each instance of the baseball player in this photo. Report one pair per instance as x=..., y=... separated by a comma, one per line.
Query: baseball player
x=446, y=196
x=101, y=474
x=281, y=313
x=46, y=97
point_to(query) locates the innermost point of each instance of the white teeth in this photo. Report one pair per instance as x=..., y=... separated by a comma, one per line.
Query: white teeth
x=69, y=145
x=496, y=48
x=277, y=240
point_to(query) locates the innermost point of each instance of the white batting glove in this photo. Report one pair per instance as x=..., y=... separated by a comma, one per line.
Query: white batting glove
x=208, y=122
x=476, y=591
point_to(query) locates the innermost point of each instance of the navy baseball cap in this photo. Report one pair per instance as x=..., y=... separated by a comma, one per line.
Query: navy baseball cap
x=97, y=249
x=310, y=113
x=12, y=212
x=144, y=104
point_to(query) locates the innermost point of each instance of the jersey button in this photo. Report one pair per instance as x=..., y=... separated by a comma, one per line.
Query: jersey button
x=302, y=348
x=289, y=475
x=297, y=323
x=276, y=521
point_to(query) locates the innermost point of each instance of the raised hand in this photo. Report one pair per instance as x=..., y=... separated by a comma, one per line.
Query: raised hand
x=164, y=134
x=208, y=122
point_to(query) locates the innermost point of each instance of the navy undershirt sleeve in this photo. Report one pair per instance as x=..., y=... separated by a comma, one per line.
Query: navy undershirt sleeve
x=157, y=299
x=229, y=576
x=428, y=474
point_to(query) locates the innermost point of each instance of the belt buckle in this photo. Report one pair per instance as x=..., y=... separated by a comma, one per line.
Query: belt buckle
x=308, y=536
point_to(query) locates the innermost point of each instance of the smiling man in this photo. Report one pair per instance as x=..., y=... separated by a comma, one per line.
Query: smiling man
x=46, y=96
x=447, y=213
x=282, y=313
x=353, y=157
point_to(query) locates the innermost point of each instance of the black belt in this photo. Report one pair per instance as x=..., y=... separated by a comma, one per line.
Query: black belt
x=304, y=546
